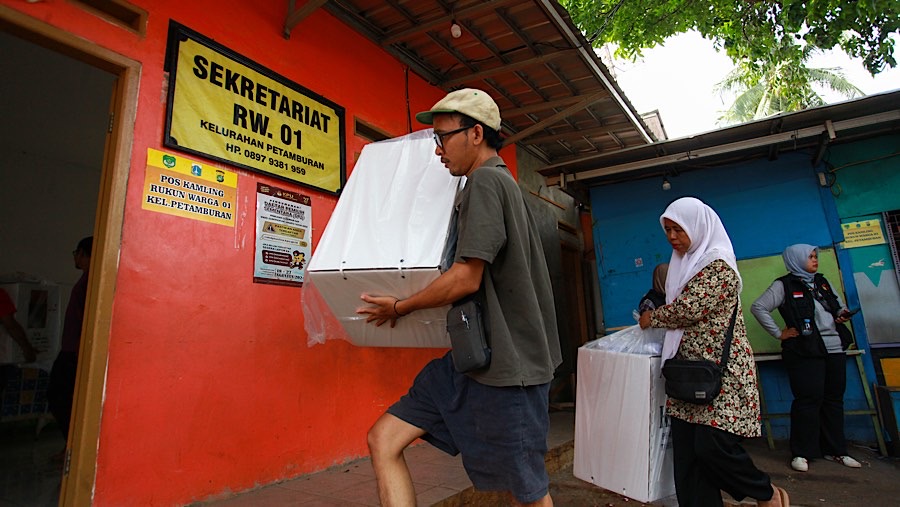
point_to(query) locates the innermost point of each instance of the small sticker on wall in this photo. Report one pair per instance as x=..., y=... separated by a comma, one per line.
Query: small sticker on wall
x=639, y=262
x=862, y=233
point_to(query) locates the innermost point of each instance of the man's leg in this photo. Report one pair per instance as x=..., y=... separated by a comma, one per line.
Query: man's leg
x=61, y=389
x=387, y=439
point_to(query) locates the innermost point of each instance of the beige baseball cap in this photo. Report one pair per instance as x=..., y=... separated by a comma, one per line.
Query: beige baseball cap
x=468, y=101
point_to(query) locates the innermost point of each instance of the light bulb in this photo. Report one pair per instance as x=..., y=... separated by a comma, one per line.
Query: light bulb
x=666, y=185
x=455, y=30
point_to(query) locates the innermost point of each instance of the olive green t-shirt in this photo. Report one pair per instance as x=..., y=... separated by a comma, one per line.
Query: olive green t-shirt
x=495, y=225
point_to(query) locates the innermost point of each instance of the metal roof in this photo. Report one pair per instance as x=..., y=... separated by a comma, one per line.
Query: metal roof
x=556, y=97
x=811, y=130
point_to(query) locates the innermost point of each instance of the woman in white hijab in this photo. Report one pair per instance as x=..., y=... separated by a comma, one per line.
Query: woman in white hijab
x=702, y=292
x=812, y=348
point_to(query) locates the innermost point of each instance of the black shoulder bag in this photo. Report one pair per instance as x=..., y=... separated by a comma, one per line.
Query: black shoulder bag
x=698, y=381
x=468, y=342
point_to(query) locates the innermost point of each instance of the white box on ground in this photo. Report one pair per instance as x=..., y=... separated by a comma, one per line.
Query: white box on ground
x=621, y=433
x=386, y=237
x=37, y=310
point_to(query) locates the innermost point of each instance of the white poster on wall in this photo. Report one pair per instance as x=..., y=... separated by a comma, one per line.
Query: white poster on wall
x=283, y=240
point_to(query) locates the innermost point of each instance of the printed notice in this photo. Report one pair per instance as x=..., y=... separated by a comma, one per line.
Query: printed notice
x=283, y=241
x=863, y=233
x=179, y=186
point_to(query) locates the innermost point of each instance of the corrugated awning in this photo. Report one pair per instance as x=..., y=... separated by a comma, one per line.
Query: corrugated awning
x=556, y=97
x=811, y=130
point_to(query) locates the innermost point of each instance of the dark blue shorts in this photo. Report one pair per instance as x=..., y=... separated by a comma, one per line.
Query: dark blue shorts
x=500, y=431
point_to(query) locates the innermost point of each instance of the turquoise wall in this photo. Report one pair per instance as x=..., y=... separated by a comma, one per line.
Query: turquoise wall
x=866, y=176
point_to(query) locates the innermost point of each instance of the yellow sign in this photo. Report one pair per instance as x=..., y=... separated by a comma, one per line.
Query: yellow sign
x=863, y=233
x=182, y=187
x=229, y=108
x=284, y=230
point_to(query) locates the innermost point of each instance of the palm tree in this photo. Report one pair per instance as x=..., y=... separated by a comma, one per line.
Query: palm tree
x=778, y=85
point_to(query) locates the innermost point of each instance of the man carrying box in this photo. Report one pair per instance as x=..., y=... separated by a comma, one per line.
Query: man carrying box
x=497, y=416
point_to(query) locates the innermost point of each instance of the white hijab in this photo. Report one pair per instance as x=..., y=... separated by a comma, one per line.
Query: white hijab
x=709, y=242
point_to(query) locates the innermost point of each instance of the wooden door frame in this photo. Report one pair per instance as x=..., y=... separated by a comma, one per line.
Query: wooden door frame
x=81, y=455
x=581, y=303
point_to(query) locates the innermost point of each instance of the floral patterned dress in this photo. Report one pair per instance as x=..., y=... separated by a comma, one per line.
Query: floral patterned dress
x=703, y=311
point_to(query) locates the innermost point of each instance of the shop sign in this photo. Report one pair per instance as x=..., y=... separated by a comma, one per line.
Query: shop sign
x=226, y=107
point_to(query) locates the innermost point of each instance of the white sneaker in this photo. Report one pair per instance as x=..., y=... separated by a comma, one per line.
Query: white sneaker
x=847, y=461
x=800, y=464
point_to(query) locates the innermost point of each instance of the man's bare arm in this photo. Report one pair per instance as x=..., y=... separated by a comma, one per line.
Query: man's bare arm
x=462, y=279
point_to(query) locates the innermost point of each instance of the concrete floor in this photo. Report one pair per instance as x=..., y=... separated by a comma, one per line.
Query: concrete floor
x=441, y=481
x=30, y=477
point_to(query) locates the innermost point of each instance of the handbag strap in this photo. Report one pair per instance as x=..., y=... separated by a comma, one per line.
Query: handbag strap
x=727, y=348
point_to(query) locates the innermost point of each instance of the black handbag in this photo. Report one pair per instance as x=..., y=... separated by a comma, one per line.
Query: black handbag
x=698, y=381
x=465, y=325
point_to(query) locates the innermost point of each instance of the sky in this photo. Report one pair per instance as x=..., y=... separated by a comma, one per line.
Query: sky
x=678, y=79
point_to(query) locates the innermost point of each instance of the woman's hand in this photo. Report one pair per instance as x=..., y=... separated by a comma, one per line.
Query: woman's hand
x=788, y=332
x=645, y=319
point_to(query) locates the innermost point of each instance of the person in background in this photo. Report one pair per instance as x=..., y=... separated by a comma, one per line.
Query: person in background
x=702, y=293
x=812, y=348
x=61, y=388
x=17, y=333
x=496, y=417
x=656, y=296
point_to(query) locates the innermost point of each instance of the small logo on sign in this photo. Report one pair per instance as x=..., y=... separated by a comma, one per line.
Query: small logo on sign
x=169, y=161
x=196, y=170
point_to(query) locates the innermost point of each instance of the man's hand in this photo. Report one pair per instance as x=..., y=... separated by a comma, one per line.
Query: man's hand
x=788, y=332
x=381, y=311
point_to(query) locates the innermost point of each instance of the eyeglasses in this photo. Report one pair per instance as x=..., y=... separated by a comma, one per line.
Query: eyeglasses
x=439, y=137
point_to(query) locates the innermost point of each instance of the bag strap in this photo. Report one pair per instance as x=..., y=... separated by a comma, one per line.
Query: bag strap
x=727, y=348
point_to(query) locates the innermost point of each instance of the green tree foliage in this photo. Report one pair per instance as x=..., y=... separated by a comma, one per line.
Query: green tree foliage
x=748, y=30
x=780, y=85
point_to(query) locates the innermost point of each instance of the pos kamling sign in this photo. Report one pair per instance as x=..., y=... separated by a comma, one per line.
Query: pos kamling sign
x=226, y=107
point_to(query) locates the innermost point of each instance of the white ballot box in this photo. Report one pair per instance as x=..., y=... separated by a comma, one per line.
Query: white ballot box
x=386, y=237
x=621, y=431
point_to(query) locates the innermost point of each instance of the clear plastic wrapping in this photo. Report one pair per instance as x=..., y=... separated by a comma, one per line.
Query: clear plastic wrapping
x=631, y=340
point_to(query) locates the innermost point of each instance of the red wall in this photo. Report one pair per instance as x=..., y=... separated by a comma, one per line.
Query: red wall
x=211, y=387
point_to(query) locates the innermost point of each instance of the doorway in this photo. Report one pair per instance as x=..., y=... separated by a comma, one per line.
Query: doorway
x=69, y=108
x=53, y=138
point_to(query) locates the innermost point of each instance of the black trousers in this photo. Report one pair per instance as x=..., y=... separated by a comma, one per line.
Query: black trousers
x=708, y=461
x=61, y=389
x=817, y=412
